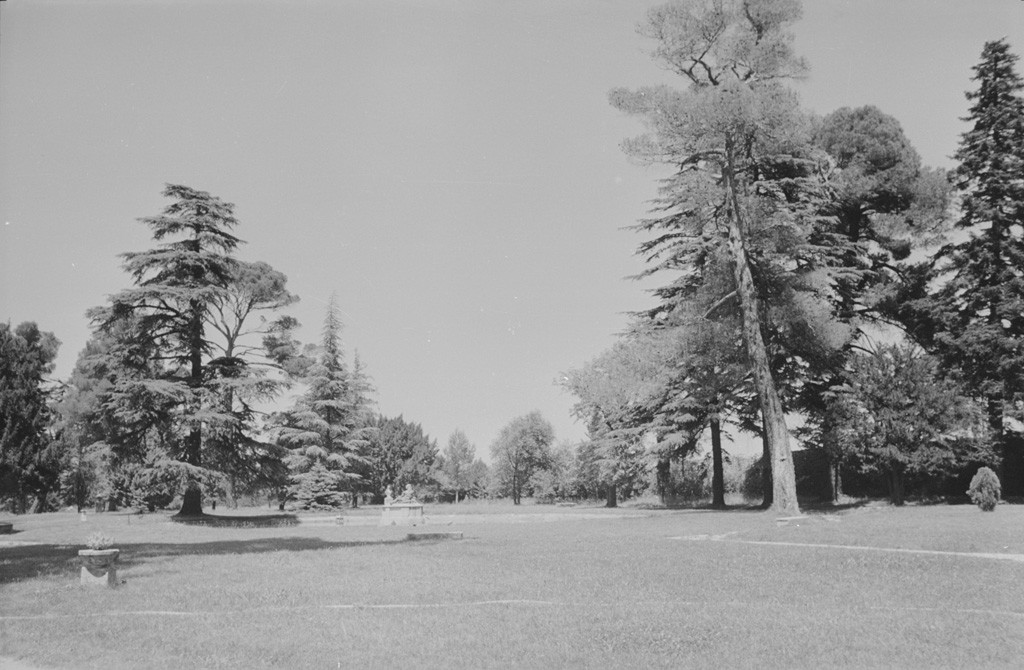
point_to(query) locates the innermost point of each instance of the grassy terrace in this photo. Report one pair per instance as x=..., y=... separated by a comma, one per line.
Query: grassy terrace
x=527, y=587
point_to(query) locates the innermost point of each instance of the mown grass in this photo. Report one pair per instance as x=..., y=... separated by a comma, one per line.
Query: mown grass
x=576, y=591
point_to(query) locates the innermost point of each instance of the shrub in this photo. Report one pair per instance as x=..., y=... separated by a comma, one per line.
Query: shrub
x=99, y=541
x=318, y=489
x=985, y=489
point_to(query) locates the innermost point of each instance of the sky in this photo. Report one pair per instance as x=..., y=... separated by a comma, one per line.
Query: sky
x=450, y=169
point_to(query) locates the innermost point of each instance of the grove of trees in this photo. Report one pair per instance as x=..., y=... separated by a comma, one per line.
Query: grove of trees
x=812, y=269
x=172, y=400
x=815, y=282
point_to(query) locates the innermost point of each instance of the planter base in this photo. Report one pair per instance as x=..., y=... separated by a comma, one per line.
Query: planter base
x=99, y=576
x=99, y=567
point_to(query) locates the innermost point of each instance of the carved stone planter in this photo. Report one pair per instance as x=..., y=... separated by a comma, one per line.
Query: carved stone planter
x=99, y=567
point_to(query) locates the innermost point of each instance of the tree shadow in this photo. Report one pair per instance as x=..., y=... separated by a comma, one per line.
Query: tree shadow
x=221, y=521
x=830, y=506
x=806, y=506
x=20, y=563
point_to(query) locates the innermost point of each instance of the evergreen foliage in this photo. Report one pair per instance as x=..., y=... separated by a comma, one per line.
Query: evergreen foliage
x=29, y=461
x=984, y=491
x=897, y=416
x=178, y=399
x=400, y=453
x=975, y=320
x=326, y=433
x=318, y=489
x=740, y=224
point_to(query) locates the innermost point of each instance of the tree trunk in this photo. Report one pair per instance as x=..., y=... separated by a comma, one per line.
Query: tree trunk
x=612, y=499
x=192, y=502
x=717, y=470
x=664, y=472
x=784, y=499
x=895, y=486
x=766, y=467
x=837, y=482
x=229, y=491
x=994, y=410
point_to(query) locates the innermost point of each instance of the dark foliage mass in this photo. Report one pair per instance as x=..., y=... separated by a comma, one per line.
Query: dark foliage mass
x=29, y=461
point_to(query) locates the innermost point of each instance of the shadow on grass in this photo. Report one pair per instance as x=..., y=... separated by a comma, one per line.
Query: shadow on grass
x=697, y=507
x=218, y=521
x=43, y=560
x=814, y=506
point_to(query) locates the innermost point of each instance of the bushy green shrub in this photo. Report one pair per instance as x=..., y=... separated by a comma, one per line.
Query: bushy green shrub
x=151, y=487
x=985, y=489
x=318, y=489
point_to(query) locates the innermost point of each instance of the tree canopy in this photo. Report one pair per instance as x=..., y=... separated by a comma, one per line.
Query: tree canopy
x=520, y=449
x=170, y=388
x=28, y=466
x=739, y=215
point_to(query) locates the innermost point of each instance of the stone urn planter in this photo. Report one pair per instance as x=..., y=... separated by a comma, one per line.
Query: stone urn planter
x=99, y=562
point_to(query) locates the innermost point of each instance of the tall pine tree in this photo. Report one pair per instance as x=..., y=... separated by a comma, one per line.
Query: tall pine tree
x=169, y=387
x=975, y=321
x=743, y=198
x=326, y=431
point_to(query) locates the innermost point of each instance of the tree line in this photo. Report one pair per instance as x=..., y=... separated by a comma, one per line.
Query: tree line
x=813, y=267
x=172, y=398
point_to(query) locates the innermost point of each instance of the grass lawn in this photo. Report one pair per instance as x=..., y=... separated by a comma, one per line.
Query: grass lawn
x=527, y=587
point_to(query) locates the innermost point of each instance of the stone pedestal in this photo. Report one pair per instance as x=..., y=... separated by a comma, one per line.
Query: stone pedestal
x=99, y=567
x=402, y=514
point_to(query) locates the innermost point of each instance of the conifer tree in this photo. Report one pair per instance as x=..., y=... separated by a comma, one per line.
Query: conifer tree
x=744, y=198
x=975, y=320
x=325, y=430
x=161, y=325
x=27, y=462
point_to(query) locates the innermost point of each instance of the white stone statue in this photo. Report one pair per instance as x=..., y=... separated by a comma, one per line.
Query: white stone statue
x=388, y=497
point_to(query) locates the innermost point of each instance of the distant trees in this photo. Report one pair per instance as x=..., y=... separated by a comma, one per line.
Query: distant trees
x=520, y=449
x=619, y=394
x=29, y=463
x=399, y=453
x=459, y=471
x=81, y=426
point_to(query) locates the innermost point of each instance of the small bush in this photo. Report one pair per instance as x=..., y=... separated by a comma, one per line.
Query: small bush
x=318, y=489
x=985, y=489
x=99, y=541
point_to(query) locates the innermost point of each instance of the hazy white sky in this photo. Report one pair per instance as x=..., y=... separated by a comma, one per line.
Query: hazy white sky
x=450, y=168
